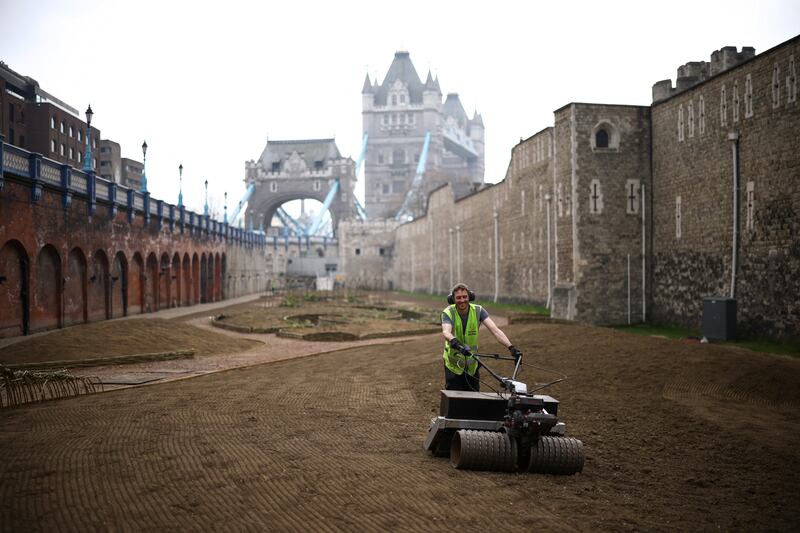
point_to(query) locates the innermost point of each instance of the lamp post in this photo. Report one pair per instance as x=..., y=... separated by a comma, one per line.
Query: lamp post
x=87, y=155
x=205, y=209
x=225, y=217
x=180, y=185
x=144, y=167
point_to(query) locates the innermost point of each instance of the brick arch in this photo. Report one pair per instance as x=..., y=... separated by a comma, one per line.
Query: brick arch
x=175, y=280
x=119, y=285
x=47, y=283
x=223, y=276
x=151, y=284
x=186, y=284
x=97, y=290
x=164, y=282
x=14, y=289
x=217, y=277
x=75, y=310
x=195, y=278
x=136, y=285
x=203, y=278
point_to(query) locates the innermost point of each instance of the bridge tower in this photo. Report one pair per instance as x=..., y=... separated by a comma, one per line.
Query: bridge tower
x=297, y=170
x=397, y=115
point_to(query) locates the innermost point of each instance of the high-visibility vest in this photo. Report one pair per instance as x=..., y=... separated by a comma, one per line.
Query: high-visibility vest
x=453, y=359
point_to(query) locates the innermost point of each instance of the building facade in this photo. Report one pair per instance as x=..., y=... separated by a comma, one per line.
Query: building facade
x=39, y=122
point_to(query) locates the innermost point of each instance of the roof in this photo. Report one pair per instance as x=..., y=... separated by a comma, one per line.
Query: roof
x=401, y=69
x=453, y=108
x=311, y=150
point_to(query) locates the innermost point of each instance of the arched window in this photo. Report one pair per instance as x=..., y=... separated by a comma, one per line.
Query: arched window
x=399, y=157
x=601, y=138
x=605, y=137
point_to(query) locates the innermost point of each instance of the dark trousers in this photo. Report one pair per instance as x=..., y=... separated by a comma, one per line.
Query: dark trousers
x=462, y=382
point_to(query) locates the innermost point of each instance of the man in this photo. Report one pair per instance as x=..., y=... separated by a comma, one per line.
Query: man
x=460, y=323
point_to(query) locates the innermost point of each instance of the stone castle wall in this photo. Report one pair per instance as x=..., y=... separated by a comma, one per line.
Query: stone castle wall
x=693, y=226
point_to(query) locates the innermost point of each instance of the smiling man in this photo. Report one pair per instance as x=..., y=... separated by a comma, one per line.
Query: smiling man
x=460, y=322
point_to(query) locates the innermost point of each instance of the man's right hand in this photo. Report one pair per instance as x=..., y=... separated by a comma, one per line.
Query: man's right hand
x=457, y=346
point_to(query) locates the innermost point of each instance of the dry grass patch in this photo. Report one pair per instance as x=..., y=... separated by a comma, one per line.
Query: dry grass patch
x=122, y=337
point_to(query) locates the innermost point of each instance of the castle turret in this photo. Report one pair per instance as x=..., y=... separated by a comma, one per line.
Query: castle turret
x=367, y=95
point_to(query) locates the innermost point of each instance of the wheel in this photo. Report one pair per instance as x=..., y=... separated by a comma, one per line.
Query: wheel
x=556, y=455
x=483, y=450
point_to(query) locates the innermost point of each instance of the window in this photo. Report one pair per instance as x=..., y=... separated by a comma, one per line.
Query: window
x=11, y=112
x=723, y=107
x=394, y=99
x=11, y=135
x=381, y=251
x=273, y=186
x=632, y=188
x=380, y=158
x=411, y=118
x=736, y=101
x=595, y=197
x=750, y=199
x=358, y=251
x=22, y=141
x=398, y=186
x=318, y=165
x=690, y=109
x=605, y=137
x=105, y=163
x=80, y=156
x=61, y=150
x=677, y=217
x=71, y=131
x=62, y=126
x=385, y=189
x=402, y=99
x=601, y=138
x=276, y=167
x=53, y=122
x=791, y=82
x=680, y=123
x=701, y=114
x=398, y=157
x=776, y=86
x=72, y=155
x=317, y=185
x=80, y=135
x=748, y=96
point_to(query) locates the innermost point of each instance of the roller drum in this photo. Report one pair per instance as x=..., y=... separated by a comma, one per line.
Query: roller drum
x=483, y=450
x=556, y=455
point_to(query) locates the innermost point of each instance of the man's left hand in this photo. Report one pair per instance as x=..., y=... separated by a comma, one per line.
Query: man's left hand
x=515, y=352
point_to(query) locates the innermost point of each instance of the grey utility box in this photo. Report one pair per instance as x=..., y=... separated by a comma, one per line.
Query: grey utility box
x=719, y=318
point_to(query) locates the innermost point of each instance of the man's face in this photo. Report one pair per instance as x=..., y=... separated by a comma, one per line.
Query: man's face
x=462, y=300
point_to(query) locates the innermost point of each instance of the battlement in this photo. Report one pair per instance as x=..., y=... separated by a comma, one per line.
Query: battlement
x=694, y=72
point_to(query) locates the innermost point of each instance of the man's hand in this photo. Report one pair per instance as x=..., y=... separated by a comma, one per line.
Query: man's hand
x=457, y=346
x=515, y=352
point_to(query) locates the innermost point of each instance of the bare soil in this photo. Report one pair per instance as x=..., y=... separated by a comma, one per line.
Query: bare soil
x=678, y=436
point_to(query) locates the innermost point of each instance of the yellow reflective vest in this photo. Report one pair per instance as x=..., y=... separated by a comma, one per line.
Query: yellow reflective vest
x=453, y=359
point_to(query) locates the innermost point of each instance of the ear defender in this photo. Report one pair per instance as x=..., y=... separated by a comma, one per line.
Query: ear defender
x=452, y=299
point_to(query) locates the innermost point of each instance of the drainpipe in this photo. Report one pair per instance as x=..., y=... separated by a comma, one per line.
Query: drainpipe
x=450, y=232
x=458, y=254
x=496, y=255
x=644, y=265
x=734, y=138
x=430, y=231
x=549, y=268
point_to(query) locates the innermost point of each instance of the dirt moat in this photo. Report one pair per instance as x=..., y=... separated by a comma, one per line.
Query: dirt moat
x=678, y=436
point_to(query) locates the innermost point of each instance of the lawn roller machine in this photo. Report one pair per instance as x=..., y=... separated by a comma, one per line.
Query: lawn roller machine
x=506, y=430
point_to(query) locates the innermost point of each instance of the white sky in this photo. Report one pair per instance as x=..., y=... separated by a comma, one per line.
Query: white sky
x=205, y=83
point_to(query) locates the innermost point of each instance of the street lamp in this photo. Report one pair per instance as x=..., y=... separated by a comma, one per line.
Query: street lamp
x=225, y=217
x=205, y=209
x=180, y=185
x=87, y=155
x=144, y=167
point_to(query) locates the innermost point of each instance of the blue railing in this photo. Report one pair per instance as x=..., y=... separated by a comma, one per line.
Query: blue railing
x=38, y=172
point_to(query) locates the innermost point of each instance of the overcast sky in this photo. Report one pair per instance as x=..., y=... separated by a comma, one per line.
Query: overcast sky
x=206, y=83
